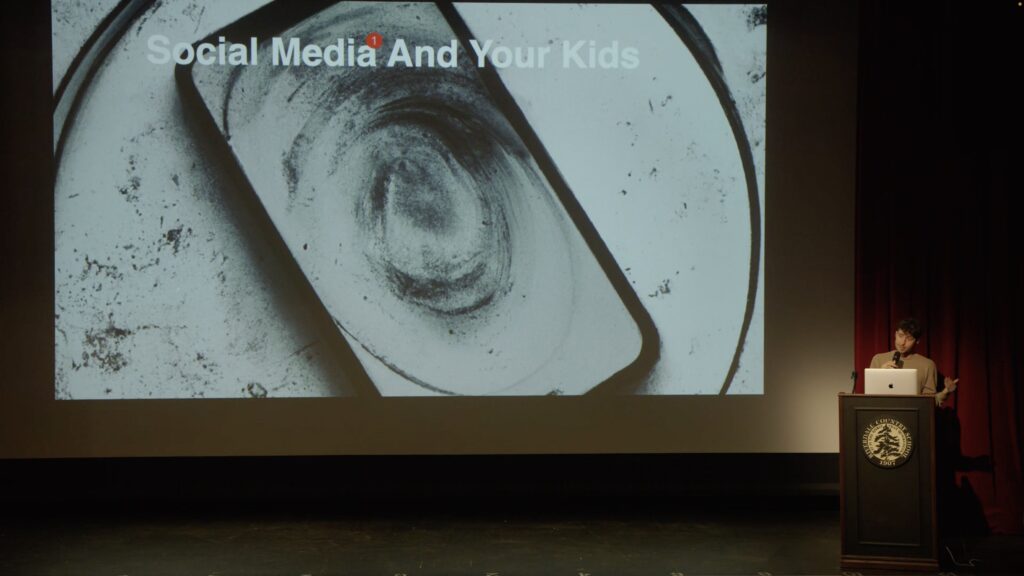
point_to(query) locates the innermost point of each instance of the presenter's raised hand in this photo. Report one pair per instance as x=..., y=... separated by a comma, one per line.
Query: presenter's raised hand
x=950, y=387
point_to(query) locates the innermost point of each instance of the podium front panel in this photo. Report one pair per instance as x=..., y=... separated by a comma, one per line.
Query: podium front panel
x=887, y=460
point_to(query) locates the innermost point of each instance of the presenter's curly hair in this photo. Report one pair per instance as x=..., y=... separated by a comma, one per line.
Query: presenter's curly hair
x=910, y=326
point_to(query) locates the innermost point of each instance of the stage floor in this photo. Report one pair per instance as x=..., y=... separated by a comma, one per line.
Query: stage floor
x=473, y=543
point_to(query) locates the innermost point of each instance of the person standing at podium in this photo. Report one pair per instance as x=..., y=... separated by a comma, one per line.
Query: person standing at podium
x=908, y=333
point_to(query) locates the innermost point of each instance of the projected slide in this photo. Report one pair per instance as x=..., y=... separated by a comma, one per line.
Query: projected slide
x=311, y=199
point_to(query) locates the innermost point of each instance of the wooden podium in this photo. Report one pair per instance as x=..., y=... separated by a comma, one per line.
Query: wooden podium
x=887, y=482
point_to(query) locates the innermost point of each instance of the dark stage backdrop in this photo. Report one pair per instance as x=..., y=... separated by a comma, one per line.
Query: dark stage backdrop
x=938, y=223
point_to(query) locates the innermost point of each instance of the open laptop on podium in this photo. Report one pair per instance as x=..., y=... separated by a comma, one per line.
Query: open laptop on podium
x=894, y=381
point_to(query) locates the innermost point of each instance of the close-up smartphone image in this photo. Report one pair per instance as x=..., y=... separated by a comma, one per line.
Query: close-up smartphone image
x=272, y=199
x=417, y=213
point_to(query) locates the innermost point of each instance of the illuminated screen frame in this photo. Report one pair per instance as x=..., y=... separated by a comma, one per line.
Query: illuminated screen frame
x=808, y=287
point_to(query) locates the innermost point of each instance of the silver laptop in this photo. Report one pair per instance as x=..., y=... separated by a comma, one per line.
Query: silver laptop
x=898, y=381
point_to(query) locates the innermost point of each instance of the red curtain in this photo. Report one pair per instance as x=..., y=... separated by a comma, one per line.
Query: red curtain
x=939, y=226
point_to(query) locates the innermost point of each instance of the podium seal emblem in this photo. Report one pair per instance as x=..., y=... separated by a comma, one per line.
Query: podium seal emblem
x=887, y=443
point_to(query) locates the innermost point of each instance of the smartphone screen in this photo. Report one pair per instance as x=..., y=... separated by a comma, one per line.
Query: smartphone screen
x=415, y=199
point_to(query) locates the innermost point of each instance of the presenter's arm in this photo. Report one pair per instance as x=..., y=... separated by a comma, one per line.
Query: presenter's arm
x=950, y=387
x=929, y=387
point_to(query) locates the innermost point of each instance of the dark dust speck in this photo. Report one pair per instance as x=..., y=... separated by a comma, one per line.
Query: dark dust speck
x=96, y=268
x=662, y=289
x=102, y=348
x=175, y=236
x=758, y=16
x=130, y=190
x=256, y=390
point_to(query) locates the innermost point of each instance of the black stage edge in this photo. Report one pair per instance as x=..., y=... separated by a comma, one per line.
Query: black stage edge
x=599, y=484
x=621, y=515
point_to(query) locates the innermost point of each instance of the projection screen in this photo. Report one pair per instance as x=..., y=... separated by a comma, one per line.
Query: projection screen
x=375, y=228
x=347, y=199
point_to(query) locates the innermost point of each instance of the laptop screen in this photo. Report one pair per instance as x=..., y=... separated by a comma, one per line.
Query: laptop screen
x=899, y=381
